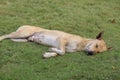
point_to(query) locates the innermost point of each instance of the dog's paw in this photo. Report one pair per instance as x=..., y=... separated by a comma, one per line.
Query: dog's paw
x=49, y=54
x=58, y=51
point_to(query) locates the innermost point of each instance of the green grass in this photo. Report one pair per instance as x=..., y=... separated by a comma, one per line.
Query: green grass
x=23, y=61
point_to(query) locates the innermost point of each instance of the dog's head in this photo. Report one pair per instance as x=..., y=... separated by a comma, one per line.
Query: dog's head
x=96, y=45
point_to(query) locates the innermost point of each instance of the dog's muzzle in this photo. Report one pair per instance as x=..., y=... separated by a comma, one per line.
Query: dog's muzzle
x=89, y=52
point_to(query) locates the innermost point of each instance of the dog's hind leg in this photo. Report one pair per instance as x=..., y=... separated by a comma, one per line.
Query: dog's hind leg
x=19, y=40
x=15, y=35
x=7, y=36
x=11, y=35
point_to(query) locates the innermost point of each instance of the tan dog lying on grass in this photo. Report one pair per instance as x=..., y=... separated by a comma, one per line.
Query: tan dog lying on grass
x=60, y=42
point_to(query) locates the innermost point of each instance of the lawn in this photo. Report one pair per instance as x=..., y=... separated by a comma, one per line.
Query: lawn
x=23, y=61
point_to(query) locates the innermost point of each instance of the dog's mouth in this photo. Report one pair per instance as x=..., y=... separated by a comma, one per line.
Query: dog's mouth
x=90, y=53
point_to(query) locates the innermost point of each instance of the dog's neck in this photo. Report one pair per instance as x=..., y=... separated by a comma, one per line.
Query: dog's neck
x=83, y=43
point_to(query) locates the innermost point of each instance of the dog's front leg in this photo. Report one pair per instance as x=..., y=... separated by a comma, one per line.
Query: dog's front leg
x=49, y=54
x=53, y=52
x=61, y=49
x=56, y=51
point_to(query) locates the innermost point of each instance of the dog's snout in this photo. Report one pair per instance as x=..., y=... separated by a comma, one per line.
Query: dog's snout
x=90, y=52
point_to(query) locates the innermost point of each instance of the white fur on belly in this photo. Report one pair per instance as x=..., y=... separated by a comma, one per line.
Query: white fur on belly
x=46, y=39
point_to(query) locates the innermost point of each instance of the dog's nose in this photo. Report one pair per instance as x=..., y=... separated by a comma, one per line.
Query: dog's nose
x=90, y=52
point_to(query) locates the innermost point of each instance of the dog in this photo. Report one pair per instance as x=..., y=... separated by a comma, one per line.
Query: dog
x=60, y=42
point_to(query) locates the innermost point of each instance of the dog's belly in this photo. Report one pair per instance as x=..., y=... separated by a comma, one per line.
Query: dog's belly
x=49, y=40
x=46, y=39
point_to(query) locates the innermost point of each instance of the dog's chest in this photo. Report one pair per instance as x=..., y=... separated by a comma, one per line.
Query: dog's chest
x=45, y=39
x=71, y=47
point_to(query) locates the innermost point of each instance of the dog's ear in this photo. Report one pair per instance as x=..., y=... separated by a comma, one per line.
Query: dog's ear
x=99, y=36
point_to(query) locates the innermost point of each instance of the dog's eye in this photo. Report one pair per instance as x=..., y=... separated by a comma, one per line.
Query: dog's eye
x=96, y=46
